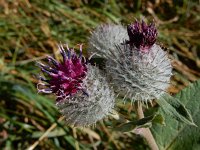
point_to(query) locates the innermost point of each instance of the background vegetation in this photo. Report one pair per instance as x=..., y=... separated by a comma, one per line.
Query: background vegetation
x=29, y=30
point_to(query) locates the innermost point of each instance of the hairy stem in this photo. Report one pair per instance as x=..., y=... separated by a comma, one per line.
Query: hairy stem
x=145, y=132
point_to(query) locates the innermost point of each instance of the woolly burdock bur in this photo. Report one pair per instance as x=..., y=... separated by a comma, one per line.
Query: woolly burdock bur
x=83, y=95
x=143, y=70
x=104, y=38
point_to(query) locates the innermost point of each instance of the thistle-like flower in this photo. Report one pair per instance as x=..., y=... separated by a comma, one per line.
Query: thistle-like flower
x=104, y=38
x=83, y=95
x=139, y=69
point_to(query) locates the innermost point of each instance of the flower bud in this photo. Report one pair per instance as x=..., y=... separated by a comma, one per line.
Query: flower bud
x=104, y=38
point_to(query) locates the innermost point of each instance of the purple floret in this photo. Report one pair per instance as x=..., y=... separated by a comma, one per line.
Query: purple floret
x=141, y=35
x=63, y=78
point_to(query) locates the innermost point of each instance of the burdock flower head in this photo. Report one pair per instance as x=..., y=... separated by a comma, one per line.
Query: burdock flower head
x=143, y=70
x=104, y=38
x=141, y=35
x=65, y=78
x=83, y=95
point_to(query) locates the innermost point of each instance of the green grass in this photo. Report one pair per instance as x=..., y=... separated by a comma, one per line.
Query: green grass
x=29, y=30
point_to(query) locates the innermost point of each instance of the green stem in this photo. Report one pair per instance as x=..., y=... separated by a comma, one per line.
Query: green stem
x=145, y=132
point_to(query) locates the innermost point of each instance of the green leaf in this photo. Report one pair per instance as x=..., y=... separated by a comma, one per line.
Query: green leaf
x=175, y=108
x=125, y=127
x=145, y=122
x=176, y=135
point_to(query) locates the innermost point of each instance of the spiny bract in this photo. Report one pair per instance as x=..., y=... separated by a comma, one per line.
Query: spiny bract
x=140, y=76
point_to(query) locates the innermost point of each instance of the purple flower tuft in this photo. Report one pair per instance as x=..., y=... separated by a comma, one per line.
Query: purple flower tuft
x=141, y=35
x=63, y=78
